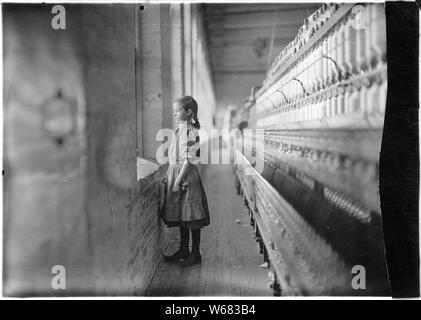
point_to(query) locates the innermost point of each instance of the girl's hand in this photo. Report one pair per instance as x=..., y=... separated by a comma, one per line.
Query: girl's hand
x=176, y=188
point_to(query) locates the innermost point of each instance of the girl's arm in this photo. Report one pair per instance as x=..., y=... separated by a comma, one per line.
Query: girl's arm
x=182, y=173
x=189, y=146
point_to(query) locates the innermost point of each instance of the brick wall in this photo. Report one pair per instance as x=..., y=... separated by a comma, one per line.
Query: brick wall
x=146, y=236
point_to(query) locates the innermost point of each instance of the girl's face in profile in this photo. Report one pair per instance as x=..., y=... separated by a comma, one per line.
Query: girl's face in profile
x=179, y=113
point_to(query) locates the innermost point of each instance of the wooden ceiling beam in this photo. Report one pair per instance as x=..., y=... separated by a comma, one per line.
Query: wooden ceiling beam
x=264, y=26
x=254, y=20
x=256, y=71
x=244, y=42
x=233, y=9
x=280, y=33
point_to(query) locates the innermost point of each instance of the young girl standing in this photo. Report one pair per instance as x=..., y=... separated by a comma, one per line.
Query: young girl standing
x=185, y=203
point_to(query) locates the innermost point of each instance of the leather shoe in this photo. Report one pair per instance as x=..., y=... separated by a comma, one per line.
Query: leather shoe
x=192, y=259
x=178, y=255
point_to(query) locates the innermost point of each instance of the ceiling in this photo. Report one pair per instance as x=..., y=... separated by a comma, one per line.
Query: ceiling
x=240, y=42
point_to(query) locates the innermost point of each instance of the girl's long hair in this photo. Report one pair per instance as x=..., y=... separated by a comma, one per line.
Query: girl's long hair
x=187, y=102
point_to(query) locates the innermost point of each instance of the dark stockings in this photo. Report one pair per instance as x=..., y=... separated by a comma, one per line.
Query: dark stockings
x=195, y=235
x=184, y=237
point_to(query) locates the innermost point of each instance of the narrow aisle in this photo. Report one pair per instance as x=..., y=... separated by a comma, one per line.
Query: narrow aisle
x=231, y=259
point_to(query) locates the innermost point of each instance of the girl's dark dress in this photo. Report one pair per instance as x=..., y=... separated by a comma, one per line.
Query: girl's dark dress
x=187, y=207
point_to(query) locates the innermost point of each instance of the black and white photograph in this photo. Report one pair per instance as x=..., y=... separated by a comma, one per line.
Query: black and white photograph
x=194, y=149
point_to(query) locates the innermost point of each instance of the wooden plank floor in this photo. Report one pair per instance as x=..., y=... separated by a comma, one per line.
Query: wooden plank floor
x=231, y=259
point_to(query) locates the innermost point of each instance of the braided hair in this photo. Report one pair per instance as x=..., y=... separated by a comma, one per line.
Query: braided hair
x=187, y=102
